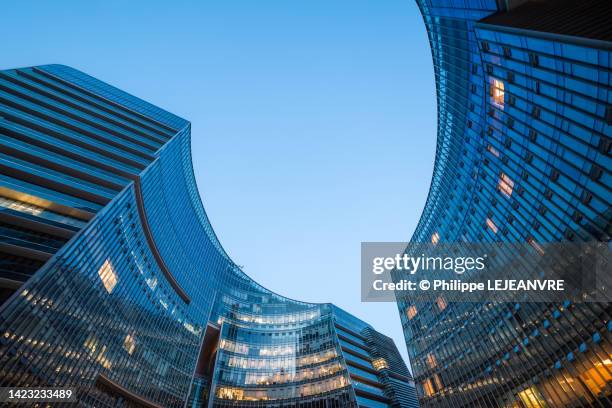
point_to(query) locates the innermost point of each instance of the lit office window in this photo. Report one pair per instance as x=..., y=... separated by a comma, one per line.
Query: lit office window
x=493, y=151
x=597, y=378
x=428, y=387
x=505, y=185
x=129, y=343
x=411, y=312
x=97, y=351
x=441, y=302
x=536, y=246
x=438, y=381
x=20, y=206
x=108, y=276
x=435, y=238
x=492, y=225
x=431, y=360
x=497, y=92
x=230, y=393
x=241, y=348
x=531, y=397
x=380, y=364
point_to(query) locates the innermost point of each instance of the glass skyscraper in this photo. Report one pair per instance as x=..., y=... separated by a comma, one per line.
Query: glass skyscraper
x=112, y=279
x=524, y=93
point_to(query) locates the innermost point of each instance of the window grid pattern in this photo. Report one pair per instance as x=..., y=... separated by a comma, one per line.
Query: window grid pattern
x=533, y=167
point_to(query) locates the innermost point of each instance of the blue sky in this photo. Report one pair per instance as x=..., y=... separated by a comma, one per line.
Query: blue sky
x=313, y=121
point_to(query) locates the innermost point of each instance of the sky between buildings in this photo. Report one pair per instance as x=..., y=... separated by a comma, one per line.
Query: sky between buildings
x=313, y=120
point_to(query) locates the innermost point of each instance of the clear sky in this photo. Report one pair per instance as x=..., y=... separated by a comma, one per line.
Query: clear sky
x=313, y=120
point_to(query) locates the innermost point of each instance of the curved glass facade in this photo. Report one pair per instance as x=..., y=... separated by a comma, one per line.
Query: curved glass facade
x=523, y=155
x=113, y=281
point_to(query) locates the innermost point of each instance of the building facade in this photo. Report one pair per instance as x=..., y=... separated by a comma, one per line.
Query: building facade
x=524, y=93
x=112, y=280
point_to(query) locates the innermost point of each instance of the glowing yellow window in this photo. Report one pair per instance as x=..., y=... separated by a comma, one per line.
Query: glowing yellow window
x=531, y=397
x=438, y=381
x=129, y=343
x=492, y=225
x=497, y=92
x=598, y=377
x=505, y=185
x=230, y=393
x=428, y=387
x=431, y=360
x=108, y=276
x=435, y=238
x=441, y=302
x=380, y=364
x=411, y=312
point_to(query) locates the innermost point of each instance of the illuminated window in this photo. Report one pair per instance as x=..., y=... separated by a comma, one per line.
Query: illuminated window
x=230, y=393
x=497, y=92
x=505, y=185
x=380, y=364
x=129, y=343
x=428, y=387
x=411, y=312
x=438, y=381
x=97, y=351
x=20, y=206
x=597, y=378
x=241, y=348
x=532, y=398
x=108, y=276
x=91, y=343
x=431, y=360
x=492, y=225
x=493, y=151
x=441, y=302
x=435, y=238
x=536, y=246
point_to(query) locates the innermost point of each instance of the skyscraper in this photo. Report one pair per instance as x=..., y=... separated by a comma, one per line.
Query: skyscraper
x=523, y=155
x=113, y=281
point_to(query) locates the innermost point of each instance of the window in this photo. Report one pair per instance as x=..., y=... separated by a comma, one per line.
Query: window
x=435, y=238
x=431, y=360
x=596, y=172
x=380, y=364
x=531, y=397
x=536, y=246
x=441, y=302
x=129, y=344
x=108, y=276
x=428, y=387
x=438, y=381
x=492, y=225
x=497, y=92
x=97, y=351
x=493, y=151
x=597, y=377
x=411, y=312
x=505, y=185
